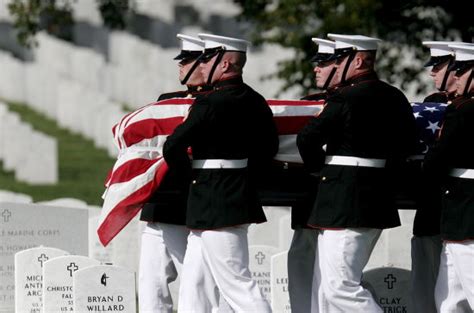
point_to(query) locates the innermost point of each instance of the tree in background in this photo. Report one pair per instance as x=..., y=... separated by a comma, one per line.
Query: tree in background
x=55, y=17
x=401, y=24
x=291, y=24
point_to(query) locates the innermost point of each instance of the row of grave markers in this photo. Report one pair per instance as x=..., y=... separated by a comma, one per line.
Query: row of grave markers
x=50, y=280
x=24, y=226
x=30, y=154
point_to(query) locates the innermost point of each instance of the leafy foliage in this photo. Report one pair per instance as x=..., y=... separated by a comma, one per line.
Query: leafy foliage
x=55, y=16
x=401, y=24
x=31, y=16
x=113, y=13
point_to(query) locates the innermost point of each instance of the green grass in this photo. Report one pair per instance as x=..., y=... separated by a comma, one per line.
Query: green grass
x=82, y=166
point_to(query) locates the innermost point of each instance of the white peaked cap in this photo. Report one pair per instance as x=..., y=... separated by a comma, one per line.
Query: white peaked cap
x=189, y=43
x=324, y=45
x=464, y=52
x=440, y=48
x=229, y=43
x=357, y=42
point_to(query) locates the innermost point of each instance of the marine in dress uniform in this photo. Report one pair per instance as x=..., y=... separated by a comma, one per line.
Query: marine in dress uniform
x=451, y=161
x=232, y=134
x=164, y=238
x=426, y=242
x=368, y=129
x=303, y=246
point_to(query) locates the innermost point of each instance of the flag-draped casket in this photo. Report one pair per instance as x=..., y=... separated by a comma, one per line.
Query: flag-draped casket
x=140, y=166
x=140, y=136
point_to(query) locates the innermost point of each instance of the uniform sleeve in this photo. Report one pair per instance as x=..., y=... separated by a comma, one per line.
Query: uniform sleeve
x=267, y=143
x=264, y=143
x=405, y=137
x=176, y=145
x=315, y=134
x=437, y=160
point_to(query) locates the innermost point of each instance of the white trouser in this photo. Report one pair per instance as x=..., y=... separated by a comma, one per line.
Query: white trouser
x=225, y=254
x=454, y=291
x=341, y=258
x=300, y=269
x=425, y=255
x=162, y=253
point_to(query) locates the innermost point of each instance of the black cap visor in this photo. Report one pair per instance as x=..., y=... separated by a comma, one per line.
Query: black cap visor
x=340, y=53
x=321, y=57
x=433, y=61
x=188, y=55
x=461, y=67
x=210, y=53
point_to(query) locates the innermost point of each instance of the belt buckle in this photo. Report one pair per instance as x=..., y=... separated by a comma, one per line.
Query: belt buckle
x=286, y=165
x=221, y=165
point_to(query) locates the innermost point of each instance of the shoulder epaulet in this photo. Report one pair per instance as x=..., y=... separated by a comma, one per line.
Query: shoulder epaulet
x=440, y=97
x=174, y=94
x=315, y=96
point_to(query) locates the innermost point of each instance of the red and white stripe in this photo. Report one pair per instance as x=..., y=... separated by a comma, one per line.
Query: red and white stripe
x=140, y=166
x=290, y=116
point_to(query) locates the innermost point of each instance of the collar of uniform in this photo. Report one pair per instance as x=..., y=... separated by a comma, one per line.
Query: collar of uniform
x=234, y=80
x=450, y=95
x=362, y=78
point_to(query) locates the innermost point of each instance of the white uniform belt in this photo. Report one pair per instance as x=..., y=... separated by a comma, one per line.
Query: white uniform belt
x=354, y=161
x=462, y=173
x=219, y=163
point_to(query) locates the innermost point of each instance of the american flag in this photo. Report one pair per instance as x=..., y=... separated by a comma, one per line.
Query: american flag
x=429, y=117
x=140, y=166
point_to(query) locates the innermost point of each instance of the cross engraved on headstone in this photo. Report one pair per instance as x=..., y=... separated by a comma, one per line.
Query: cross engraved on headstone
x=6, y=214
x=390, y=280
x=42, y=258
x=72, y=267
x=260, y=257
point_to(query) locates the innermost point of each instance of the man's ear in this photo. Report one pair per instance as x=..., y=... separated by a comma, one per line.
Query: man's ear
x=225, y=65
x=358, y=62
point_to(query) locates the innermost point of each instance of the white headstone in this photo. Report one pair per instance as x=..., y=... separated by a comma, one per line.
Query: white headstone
x=280, y=295
x=267, y=233
x=393, y=249
x=29, y=277
x=260, y=260
x=57, y=281
x=40, y=164
x=390, y=287
x=126, y=251
x=96, y=249
x=285, y=233
x=9, y=196
x=24, y=226
x=66, y=203
x=104, y=288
